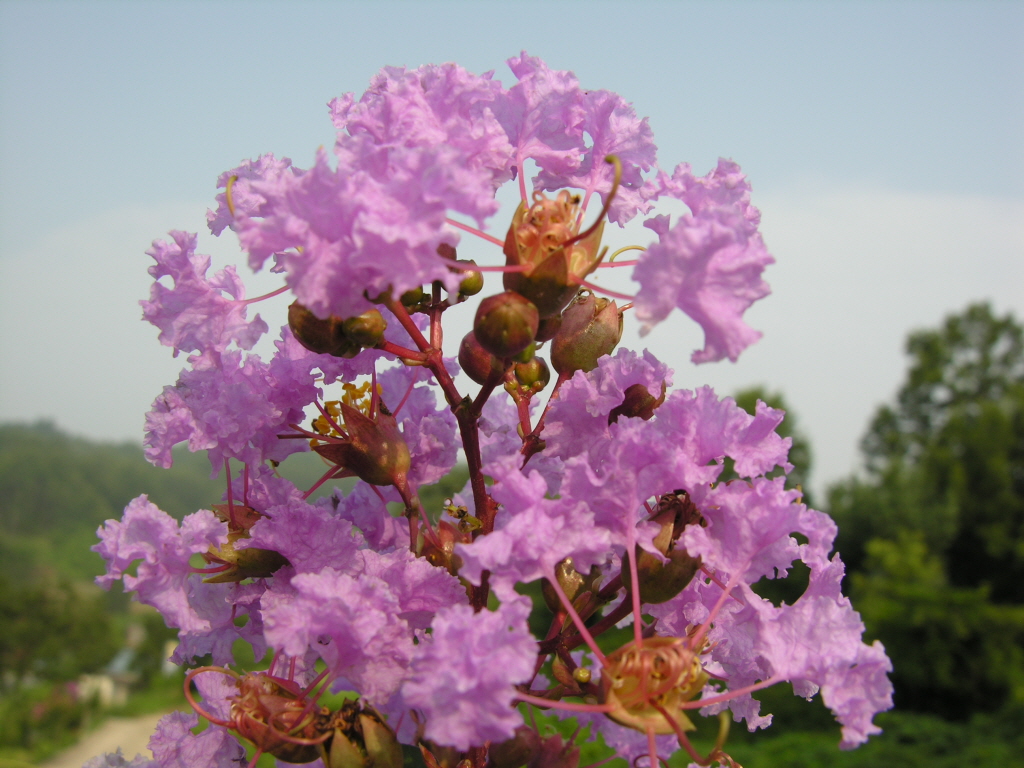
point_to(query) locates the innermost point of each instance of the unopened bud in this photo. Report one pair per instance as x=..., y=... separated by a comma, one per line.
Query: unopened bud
x=661, y=581
x=472, y=280
x=413, y=297
x=477, y=362
x=637, y=402
x=569, y=579
x=506, y=324
x=325, y=337
x=591, y=328
x=534, y=375
x=366, y=329
x=548, y=327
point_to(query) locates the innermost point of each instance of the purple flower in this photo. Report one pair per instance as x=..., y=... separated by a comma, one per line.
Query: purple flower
x=194, y=315
x=579, y=416
x=709, y=264
x=246, y=200
x=149, y=534
x=463, y=678
x=309, y=537
x=532, y=535
x=117, y=760
x=175, y=746
x=352, y=622
x=236, y=410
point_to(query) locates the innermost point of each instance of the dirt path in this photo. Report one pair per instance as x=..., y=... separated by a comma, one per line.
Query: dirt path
x=131, y=734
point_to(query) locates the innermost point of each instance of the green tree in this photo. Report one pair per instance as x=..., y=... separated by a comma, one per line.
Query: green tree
x=934, y=533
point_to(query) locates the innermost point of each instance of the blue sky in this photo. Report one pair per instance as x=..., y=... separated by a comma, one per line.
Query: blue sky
x=884, y=142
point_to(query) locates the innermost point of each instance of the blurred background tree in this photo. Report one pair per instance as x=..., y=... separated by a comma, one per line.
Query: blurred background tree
x=933, y=535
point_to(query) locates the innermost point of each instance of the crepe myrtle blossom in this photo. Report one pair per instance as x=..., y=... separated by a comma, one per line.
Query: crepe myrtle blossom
x=602, y=503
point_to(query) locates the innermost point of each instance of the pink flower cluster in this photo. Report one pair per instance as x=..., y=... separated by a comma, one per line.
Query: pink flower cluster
x=424, y=616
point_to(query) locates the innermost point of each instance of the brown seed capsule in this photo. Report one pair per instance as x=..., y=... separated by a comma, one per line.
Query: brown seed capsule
x=506, y=324
x=591, y=328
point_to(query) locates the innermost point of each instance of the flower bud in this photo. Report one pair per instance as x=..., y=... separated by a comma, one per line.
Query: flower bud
x=366, y=329
x=506, y=324
x=472, y=280
x=413, y=297
x=637, y=402
x=325, y=337
x=661, y=581
x=361, y=739
x=548, y=327
x=591, y=327
x=477, y=362
x=534, y=374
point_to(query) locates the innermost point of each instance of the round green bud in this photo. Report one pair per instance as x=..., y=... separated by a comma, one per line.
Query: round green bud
x=366, y=329
x=413, y=297
x=506, y=324
x=473, y=281
x=535, y=374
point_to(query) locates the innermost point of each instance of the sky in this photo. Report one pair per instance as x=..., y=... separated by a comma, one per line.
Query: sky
x=884, y=143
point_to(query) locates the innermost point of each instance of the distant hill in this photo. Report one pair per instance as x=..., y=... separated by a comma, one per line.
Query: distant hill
x=56, y=490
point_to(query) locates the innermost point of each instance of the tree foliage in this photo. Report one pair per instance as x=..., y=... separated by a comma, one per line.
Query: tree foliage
x=935, y=532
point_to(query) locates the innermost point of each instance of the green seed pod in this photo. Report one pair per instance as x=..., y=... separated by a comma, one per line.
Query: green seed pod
x=591, y=328
x=506, y=324
x=661, y=581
